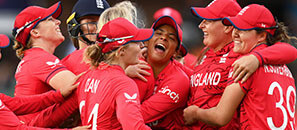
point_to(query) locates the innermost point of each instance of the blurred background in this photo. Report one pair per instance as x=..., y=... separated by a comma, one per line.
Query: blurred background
x=284, y=10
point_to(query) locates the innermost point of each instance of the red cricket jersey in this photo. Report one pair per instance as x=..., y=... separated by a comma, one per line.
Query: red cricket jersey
x=170, y=97
x=12, y=106
x=145, y=89
x=74, y=62
x=33, y=75
x=270, y=97
x=209, y=81
x=35, y=71
x=108, y=99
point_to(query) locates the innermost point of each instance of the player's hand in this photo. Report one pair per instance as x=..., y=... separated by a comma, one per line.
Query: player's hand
x=143, y=53
x=138, y=70
x=83, y=127
x=244, y=67
x=190, y=114
x=67, y=90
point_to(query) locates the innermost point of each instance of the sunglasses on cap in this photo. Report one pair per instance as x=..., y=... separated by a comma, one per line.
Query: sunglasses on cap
x=16, y=31
x=107, y=40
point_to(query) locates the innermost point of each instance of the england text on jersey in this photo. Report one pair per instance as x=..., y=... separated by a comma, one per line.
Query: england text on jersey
x=211, y=78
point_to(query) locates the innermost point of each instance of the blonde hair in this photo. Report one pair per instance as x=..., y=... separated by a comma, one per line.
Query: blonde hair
x=124, y=9
x=93, y=55
x=20, y=49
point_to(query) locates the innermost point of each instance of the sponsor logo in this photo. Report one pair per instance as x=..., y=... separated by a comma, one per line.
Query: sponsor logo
x=173, y=95
x=223, y=58
x=201, y=79
x=53, y=64
x=131, y=98
x=99, y=4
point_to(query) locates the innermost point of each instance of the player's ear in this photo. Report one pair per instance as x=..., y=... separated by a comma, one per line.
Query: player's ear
x=228, y=29
x=262, y=36
x=34, y=33
x=121, y=51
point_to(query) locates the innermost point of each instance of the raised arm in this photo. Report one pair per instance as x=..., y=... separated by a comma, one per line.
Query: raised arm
x=279, y=53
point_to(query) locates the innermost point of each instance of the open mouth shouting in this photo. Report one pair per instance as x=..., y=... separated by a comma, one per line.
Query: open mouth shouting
x=160, y=48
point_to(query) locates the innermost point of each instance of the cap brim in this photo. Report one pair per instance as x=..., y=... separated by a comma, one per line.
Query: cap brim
x=143, y=35
x=204, y=13
x=54, y=11
x=4, y=41
x=238, y=23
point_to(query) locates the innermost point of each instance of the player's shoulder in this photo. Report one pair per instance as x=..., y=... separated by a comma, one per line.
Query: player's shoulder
x=37, y=54
x=177, y=71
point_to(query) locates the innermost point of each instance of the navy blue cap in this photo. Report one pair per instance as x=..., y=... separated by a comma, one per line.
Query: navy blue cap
x=89, y=7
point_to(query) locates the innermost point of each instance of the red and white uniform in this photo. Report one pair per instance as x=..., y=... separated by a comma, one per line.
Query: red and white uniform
x=33, y=75
x=211, y=77
x=108, y=99
x=170, y=97
x=270, y=97
x=74, y=62
x=209, y=81
x=35, y=71
x=12, y=106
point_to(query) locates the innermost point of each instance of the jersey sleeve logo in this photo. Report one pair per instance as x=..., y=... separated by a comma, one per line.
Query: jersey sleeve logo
x=53, y=64
x=130, y=98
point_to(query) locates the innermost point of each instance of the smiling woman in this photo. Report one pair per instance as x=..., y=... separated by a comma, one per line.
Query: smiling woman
x=270, y=106
x=37, y=33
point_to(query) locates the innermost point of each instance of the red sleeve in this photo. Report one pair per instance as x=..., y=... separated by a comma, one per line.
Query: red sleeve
x=30, y=104
x=128, y=107
x=279, y=53
x=9, y=120
x=56, y=114
x=173, y=94
x=46, y=66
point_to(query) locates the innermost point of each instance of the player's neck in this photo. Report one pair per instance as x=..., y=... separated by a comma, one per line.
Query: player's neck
x=157, y=67
x=47, y=47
